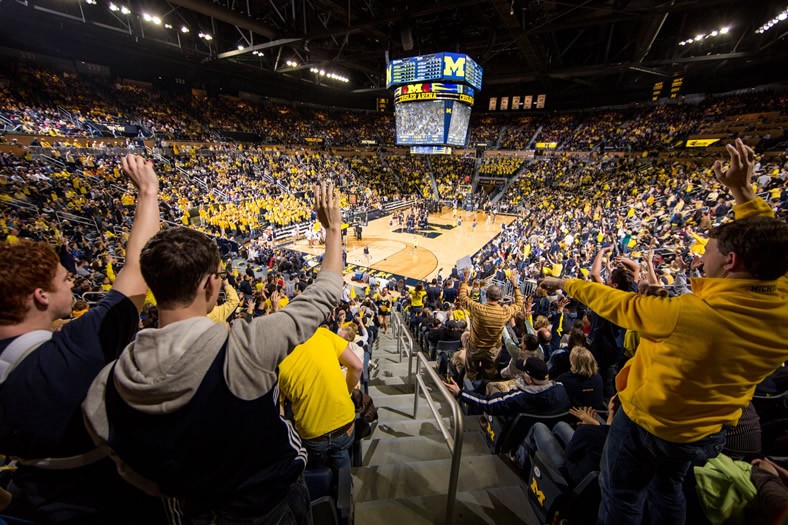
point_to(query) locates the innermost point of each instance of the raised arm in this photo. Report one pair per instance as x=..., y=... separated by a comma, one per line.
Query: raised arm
x=284, y=329
x=738, y=176
x=652, y=274
x=631, y=265
x=596, y=267
x=462, y=296
x=146, y=223
x=327, y=205
x=219, y=314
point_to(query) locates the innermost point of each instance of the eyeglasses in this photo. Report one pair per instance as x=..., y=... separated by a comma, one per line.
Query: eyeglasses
x=220, y=275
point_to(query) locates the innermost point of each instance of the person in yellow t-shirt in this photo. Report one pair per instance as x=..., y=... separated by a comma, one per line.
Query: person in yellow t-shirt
x=311, y=378
x=417, y=296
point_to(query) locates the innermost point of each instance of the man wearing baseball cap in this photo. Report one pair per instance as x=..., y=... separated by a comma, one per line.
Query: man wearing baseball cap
x=533, y=393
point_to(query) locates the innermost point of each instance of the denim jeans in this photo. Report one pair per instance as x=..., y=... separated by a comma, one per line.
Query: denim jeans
x=638, y=467
x=333, y=452
x=294, y=509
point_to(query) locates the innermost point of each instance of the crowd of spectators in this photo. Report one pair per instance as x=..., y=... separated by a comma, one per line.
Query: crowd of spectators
x=500, y=166
x=40, y=101
x=655, y=215
x=451, y=172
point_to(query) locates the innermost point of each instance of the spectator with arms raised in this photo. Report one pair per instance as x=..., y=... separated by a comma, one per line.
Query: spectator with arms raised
x=700, y=355
x=487, y=324
x=44, y=376
x=189, y=390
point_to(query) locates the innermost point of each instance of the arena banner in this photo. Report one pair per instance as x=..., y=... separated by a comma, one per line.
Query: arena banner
x=433, y=91
x=700, y=143
x=546, y=145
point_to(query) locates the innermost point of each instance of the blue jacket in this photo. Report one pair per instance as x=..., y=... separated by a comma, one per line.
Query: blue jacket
x=537, y=399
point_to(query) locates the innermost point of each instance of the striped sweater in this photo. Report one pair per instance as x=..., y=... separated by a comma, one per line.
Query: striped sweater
x=488, y=320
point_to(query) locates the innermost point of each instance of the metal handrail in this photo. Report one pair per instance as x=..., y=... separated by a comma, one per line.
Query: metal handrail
x=453, y=442
x=411, y=354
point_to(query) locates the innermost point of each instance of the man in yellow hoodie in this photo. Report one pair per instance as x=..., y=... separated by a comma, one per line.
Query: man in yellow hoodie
x=700, y=355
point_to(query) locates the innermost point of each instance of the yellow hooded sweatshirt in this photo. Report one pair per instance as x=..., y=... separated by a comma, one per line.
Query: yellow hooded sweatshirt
x=701, y=354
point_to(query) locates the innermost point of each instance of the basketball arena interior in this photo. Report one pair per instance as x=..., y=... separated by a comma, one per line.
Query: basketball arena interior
x=511, y=261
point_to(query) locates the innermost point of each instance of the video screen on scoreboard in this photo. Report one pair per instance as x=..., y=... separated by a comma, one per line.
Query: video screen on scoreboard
x=458, y=128
x=420, y=123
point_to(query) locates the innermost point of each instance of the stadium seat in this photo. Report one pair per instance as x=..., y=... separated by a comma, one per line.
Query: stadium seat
x=446, y=348
x=503, y=437
x=771, y=407
x=329, y=507
x=552, y=498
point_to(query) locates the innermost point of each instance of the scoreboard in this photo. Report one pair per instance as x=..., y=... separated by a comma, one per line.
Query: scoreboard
x=433, y=96
x=454, y=67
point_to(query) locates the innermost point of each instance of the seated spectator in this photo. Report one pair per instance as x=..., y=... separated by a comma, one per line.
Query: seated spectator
x=312, y=380
x=771, y=499
x=575, y=451
x=583, y=382
x=450, y=331
x=533, y=393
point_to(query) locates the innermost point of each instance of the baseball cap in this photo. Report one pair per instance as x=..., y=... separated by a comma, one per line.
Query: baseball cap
x=534, y=367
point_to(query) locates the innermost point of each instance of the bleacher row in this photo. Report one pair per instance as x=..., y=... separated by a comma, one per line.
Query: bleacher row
x=38, y=101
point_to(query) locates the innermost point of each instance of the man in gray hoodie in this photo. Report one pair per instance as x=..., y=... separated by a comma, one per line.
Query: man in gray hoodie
x=191, y=410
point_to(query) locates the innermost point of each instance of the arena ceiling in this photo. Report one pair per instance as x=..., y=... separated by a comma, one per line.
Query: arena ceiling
x=579, y=53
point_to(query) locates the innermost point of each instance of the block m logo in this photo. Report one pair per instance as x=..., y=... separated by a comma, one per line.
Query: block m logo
x=453, y=67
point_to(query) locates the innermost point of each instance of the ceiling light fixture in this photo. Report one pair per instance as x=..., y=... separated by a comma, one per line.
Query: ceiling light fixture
x=773, y=22
x=700, y=37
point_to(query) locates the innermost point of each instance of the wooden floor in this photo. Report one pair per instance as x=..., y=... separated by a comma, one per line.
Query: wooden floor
x=418, y=256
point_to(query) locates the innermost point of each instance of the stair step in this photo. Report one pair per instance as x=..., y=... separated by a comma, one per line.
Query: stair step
x=382, y=451
x=400, y=401
x=381, y=391
x=427, y=478
x=387, y=414
x=497, y=506
x=385, y=380
x=407, y=428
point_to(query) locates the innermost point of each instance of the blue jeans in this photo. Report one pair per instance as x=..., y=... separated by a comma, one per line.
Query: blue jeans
x=333, y=452
x=638, y=467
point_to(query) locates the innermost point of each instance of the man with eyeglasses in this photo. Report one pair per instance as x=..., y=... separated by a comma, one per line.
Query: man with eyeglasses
x=189, y=390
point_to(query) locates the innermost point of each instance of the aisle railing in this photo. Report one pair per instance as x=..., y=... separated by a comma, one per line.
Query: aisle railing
x=453, y=442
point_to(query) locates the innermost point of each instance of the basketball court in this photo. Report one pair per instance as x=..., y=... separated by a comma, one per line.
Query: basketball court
x=417, y=255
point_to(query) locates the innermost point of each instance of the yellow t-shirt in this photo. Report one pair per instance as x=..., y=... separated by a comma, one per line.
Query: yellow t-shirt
x=311, y=378
x=283, y=301
x=417, y=298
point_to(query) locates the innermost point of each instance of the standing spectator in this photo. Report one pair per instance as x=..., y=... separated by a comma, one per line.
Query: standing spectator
x=189, y=390
x=311, y=378
x=487, y=325
x=62, y=477
x=681, y=388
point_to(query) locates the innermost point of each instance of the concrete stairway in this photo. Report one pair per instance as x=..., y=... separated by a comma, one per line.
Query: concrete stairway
x=406, y=462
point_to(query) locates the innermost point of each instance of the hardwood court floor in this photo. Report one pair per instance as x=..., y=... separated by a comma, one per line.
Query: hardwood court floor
x=418, y=256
